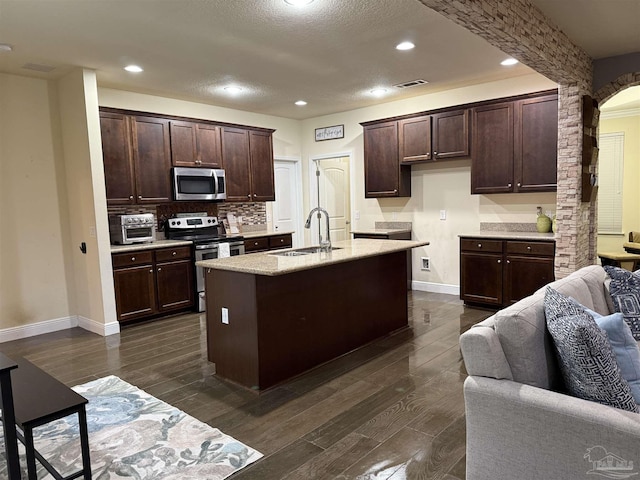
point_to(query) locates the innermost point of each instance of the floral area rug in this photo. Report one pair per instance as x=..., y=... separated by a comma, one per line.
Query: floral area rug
x=134, y=435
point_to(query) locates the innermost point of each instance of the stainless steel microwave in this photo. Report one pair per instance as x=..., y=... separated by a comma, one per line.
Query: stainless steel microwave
x=198, y=184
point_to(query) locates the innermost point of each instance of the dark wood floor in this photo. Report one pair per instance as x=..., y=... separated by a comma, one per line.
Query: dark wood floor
x=391, y=410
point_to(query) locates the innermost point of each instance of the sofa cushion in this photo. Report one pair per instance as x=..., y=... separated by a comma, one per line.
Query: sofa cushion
x=625, y=348
x=586, y=359
x=625, y=292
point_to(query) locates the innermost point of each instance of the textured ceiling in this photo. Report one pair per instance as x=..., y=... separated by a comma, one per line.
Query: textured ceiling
x=330, y=53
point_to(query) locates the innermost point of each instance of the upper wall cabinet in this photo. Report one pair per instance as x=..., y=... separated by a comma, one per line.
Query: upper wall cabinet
x=136, y=156
x=195, y=144
x=515, y=146
x=429, y=138
x=248, y=162
x=384, y=176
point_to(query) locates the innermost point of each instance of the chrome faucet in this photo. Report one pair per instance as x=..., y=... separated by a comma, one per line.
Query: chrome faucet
x=325, y=245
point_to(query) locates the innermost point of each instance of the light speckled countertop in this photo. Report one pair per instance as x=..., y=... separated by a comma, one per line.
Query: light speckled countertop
x=270, y=264
x=511, y=235
x=149, y=246
x=382, y=231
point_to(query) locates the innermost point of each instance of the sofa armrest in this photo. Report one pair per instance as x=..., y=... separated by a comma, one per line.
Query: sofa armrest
x=524, y=432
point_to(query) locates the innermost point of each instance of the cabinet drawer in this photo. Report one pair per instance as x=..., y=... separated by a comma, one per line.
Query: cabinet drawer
x=120, y=260
x=256, y=244
x=546, y=249
x=168, y=254
x=480, y=245
x=280, y=241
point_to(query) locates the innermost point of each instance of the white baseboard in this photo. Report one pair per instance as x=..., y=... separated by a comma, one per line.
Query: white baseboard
x=56, y=324
x=435, y=287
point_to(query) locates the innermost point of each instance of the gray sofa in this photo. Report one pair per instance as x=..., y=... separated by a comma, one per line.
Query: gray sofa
x=519, y=425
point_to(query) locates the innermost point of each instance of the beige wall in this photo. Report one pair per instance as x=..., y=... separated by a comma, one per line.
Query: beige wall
x=630, y=126
x=34, y=284
x=435, y=187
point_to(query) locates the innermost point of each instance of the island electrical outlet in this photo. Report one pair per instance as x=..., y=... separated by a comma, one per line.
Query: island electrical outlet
x=426, y=264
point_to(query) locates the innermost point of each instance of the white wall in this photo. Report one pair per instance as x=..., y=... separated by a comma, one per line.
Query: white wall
x=34, y=283
x=435, y=187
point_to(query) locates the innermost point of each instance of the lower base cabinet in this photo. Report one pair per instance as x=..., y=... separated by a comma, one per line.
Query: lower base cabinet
x=498, y=273
x=268, y=242
x=151, y=283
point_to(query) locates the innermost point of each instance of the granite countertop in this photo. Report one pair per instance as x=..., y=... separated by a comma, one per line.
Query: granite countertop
x=270, y=264
x=512, y=235
x=264, y=233
x=382, y=231
x=135, y=247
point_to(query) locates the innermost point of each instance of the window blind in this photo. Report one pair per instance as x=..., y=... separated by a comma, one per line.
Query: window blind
x=610, y=175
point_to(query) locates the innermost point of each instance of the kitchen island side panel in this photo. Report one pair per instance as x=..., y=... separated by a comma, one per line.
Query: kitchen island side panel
x=306, y=318
x=233, y=347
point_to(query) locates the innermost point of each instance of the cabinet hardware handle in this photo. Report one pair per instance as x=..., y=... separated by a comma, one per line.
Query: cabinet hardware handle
x=130, y=197
x=435, y=154
x=249, y=196
x=133, y=259
x=509, y=185
x=174, y=253
x=139, y=197
x=159, y=269
x=151, y=271
x=255, y=195
x=499, y=261
x=508, y=261
x=395, y=191
x=479, y=245
x=519, y=184
x=528, y=247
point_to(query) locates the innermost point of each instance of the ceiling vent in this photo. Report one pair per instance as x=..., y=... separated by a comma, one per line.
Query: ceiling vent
x=412, y=83
x=38, y=67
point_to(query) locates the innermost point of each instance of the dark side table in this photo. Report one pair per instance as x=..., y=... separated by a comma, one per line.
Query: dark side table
x=40, y=399
x=8, y=417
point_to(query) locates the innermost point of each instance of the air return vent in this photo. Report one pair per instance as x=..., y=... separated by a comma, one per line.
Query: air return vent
x=412, y=83
x=38, y=67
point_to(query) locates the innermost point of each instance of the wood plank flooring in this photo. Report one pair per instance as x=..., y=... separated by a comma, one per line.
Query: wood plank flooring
x=392, y=410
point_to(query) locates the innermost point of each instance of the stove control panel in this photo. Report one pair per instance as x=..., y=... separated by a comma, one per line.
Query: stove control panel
x=192, y=222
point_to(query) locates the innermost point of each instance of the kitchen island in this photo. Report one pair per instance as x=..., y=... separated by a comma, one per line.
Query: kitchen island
x=271, y=316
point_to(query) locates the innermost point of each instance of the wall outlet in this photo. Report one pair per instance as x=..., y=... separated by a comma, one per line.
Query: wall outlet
x=426, y=264
x=394, y=216
x=357, y=215
x=225, y=316
x=443, y=214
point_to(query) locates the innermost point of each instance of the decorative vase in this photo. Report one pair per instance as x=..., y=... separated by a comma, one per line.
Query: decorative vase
x=543, y=224
x=554, y=224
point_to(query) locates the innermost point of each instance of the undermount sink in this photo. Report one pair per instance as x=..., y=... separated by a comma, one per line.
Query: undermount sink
x=301, y=251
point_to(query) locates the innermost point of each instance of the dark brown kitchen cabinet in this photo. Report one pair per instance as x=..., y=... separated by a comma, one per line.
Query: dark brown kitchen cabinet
x=384, y=176
x=267, y=242
x=248, y=162
x=195, y=145
x=429, y=138
x=515, y=146
x=498, y=273
x=153, y=283
x=136, y=156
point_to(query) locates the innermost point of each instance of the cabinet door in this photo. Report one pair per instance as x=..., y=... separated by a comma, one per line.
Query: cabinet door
x=524, y=275
x=414, y=139
x=175, y=285
x=481, y=278
x=235, y=157
x=135, y=289
x=183, y=144
x=492, y=145
x=261, y=172
x=118, y=164
x=152, y=159
x=536, y=144
x=383, y=175
x=209, y=145
x=450, y=135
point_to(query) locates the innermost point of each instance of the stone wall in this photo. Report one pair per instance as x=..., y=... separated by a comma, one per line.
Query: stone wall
x=519, y=29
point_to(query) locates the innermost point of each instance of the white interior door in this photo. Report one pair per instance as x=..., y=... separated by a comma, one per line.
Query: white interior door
x=286, y=211
x=335, y=197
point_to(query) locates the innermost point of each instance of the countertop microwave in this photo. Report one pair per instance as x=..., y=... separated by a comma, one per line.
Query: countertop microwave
x=190, y=183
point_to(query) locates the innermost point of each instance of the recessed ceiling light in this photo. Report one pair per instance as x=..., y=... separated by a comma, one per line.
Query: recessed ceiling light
x=301, y=103
x=133, y=69
x=405, y=46
x=298, y=3
x=509, y=61
x=232, y=89
x=378, y=92
x=5, y=47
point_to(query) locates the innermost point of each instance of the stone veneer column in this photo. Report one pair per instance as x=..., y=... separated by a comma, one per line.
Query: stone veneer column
x=519, y=29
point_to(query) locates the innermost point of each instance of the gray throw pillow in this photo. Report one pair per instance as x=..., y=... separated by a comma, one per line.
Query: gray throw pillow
x=625, y=292
x=586, y=359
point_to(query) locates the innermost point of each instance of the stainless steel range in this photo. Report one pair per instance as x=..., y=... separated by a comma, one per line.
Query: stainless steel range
x=209, y=240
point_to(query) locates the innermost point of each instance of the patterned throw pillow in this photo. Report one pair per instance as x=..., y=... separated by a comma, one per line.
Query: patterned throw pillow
x=625, y=292
x=586, y=360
